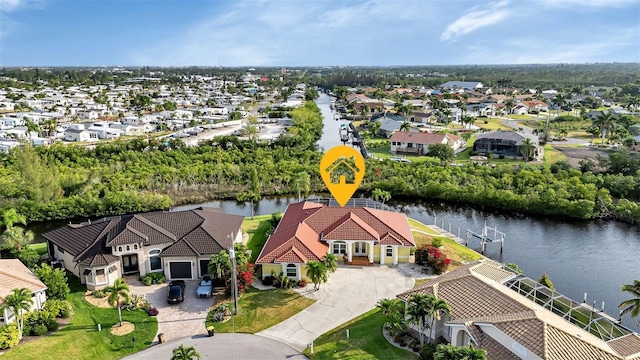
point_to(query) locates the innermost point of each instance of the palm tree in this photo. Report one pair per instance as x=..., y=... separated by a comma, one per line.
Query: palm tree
x=405, y=126
x=116, y=291
x=389, y=306
x=631, y=305
x=185, y=353
x=437, y=307
x=374, y=128
x=10, y=217
x=220, y=265
x=302, y=184
x=593, y=131
x=447, y=115
x=509, y=104
x=15, y=238
x=559, y=101
x=447, y=352
x=395, y=322
x=418, y=310
x=330, y=262
x=317, y=272
x=527, y=148
x=19, y=301
x=605, y=122
x=380, y=195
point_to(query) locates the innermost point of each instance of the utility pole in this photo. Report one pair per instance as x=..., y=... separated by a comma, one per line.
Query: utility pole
x=234, y=285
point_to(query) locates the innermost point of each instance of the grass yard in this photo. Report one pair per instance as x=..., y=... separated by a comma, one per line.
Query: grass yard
x=261, y=309
x=40, y=248
x=81, y=339
x=552, y=156
x=257, y=229
x=458, y=253
x=365, y=341
x=417, y=225
x=492, y=124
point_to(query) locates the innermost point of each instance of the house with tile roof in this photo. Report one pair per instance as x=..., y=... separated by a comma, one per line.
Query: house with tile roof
x=176, y=243
x=308, y=231
x=489, y=314
x=418, y=143
x=15, y=275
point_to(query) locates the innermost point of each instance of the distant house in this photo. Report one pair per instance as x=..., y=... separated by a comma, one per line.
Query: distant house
x=466, y=85
x=504, y=313
x=389, y=123
x=418, y=142
x=520, y=109
x=308, y=231
x=176, y=243
x=79, y=135
x=14, y=275
x=505, y=143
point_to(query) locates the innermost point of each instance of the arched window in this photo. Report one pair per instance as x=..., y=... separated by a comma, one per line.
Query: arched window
x=135, y=246
x=119, y=248
x=292, y=270
x=128, y=248
x=155, y=262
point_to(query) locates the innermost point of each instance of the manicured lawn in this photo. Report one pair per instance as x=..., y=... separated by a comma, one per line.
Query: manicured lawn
x=261, y=309
x=257, y=229
x=81, y=339
x=454, y=251
x=492, y=124
x=41, y=248
x=365, y=341
x=417, y=225
x=552, y=155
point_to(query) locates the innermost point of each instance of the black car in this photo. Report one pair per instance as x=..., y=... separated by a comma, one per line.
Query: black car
x=176, y=292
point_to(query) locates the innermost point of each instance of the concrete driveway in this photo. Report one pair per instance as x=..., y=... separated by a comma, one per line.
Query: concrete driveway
x=176, y=320
x=350, y=292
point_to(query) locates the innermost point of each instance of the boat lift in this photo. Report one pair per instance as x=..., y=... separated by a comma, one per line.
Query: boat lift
x=484, y=237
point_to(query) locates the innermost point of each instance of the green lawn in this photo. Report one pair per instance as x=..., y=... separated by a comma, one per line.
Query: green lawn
x=261, y=309
x=40, y=248
x=81, y=339
x=491, y=124
x=365, y=341
x=257, y=229
x=417, y=225
x=552, y=156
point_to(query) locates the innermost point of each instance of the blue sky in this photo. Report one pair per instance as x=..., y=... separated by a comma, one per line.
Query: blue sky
x=317, y=32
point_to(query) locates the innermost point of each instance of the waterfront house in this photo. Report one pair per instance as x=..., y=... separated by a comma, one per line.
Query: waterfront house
x=359, y=235
x=14, y=275
x=513, y=317
x=505, y=143
x=176, y=243
x=418, y=143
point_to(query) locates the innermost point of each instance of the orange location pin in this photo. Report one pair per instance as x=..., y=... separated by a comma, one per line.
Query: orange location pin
x=342, y=170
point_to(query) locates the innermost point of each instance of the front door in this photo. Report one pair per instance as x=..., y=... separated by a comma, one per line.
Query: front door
x=360, y=248
x=129, y=264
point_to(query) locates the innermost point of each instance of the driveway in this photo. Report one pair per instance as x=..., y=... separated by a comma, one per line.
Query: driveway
x=177, y=320
x=350, y=292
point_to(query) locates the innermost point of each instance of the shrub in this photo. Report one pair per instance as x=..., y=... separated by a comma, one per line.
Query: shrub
x=58, y=308
x=136, y=301
x=427, y=351
x=9, y=336
x=501, y=156
x=275, y=218
x=55, y=280
x=432, y=257
x=152, y=311
x=148, y=278
x=39, y=330
x=268, y=281
x=98, y=294
x=437, y=241
x=52, y=326
x=302, y=283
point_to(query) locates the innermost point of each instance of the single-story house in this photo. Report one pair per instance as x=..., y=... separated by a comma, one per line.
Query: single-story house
x=507, y=315
x=79, y=135
x=14, y=275
x=308, y=231
x=177, y=243
x=418, y=143
x=502, y=142
x=467, y=85
x=520, y=109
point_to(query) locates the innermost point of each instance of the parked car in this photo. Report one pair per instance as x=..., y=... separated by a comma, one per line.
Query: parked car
x=205, y=289
x=176, y=292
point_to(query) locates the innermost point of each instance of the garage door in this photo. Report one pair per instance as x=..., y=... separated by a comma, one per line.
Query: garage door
x=203, y=267
x=180, y=270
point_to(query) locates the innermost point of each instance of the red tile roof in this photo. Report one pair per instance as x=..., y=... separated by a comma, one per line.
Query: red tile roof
x=308, y=225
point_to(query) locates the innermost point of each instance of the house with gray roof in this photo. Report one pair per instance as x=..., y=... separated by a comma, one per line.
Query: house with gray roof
x=176, y=243
x=505, y=143
x=466, y=85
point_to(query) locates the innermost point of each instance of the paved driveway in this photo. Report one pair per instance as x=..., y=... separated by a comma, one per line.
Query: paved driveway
x=349, y=293
x=177, y=320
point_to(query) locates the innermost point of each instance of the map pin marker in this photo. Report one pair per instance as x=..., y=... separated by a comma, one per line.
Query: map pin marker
x=342, y=170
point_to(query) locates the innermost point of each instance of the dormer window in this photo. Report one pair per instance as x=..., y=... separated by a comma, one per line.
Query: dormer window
x=135, y=246
x=119, y=248
x=128, y=248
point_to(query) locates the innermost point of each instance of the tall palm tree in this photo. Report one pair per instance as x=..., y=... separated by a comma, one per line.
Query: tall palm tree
x=605, y=122
x=302, y=184
x=509, y=104
x=330, y=262
x=405, y=126
x=317, y=272
x=418, y=310
x=594, y=131
x=632, y=305
x=559, y=101
x=19, y=301
x=374, y=127
x=118, y=290
x=185, y=353
x=527, y=148
x=220, y=265
x=437, y=307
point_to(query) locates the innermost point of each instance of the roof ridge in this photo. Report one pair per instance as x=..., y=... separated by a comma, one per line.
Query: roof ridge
x=106, y=229
x=157, y=227
x=191, y=246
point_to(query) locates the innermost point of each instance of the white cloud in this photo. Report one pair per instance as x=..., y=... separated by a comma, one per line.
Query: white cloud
x=13, y=5
x=475, y=19
x=577, y=4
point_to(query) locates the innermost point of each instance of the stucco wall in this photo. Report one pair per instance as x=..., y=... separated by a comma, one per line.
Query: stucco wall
x=266, y=269
x=403, y=254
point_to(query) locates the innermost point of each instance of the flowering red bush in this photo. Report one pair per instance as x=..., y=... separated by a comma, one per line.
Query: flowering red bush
x=245, y=279
x=432, y=257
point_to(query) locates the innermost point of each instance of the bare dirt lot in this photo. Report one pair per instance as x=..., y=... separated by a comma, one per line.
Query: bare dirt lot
x=574, y=155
